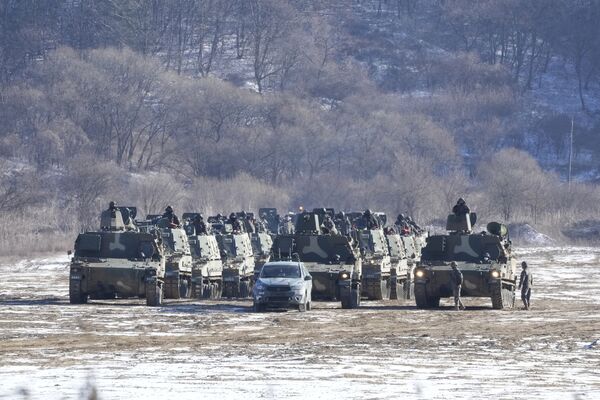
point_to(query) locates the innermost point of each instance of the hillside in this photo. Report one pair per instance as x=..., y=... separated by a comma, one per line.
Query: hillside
x=216, y=106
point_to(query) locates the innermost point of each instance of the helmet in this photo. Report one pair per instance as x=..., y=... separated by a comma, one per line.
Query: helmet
x=524, y=264
x=112, y=204
x=453, y=264
x=243, y=213
x=169, y=209
x=200, y=216
x=232, y=216
x=367, y=212
x=461, y=200
x=400, y=216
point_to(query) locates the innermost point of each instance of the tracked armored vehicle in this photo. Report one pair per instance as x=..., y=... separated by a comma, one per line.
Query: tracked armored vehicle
x=485, y=260
x=376, y=264
x=238, y=261
x=207, y=266
x=117, y=263
x=332, y=260
x=178, y=259
x=401, y=268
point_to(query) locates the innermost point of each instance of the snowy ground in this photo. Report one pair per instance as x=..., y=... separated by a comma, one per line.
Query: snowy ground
x=50, y=349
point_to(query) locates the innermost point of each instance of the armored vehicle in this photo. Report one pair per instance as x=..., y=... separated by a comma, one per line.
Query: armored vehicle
x=238, y=262
x=332, y=260
x=178, y=262
x=207, y=266
x=262, y=243
x=401, y=268
x=376, y=264
x=484, y=259
x=115, y=262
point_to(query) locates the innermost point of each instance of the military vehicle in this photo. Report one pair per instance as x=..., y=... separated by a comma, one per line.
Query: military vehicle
x=485, y=260
x=238, y=261
x=401, y=268
x=207, y=266
x=115, y=262
x=332, y=260
x=376, y=264
x=178, y=257
x=262, y=244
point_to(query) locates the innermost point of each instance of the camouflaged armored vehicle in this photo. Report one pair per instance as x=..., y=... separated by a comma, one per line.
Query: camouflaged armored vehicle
x=178, y=259
x=238, y=261
x=401, y=268
x=207, y=266
x=332, y=260
x=116, y=262
x=376, y=264
x=484, y=259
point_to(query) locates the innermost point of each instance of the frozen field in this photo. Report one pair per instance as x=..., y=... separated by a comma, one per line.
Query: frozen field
x=189, y=349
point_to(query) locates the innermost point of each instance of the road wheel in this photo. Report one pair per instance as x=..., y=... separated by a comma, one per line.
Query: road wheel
x=76, y=295
x=154, y=294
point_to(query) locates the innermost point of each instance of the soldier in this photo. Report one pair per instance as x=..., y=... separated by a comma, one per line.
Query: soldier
x=344, y=223
x=199, y=225
x=370, y=221
x=249, y=224
x=112, y=206
x=400, y=221
x=287, y=227
x=461, y=208
x=328, y=227
x=456, y=279
x=525, y=285
x=170, y=215
x=235, y=223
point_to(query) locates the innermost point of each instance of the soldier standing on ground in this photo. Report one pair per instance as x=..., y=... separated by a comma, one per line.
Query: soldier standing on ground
x=525, y=285
x=456, y=279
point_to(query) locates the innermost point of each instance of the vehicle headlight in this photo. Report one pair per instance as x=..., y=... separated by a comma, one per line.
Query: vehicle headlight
x=344, y=275
x=419, y=273
x=495, y=274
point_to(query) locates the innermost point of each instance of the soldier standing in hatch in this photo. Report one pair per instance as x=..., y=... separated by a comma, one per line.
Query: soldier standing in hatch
x=370, y=221
x=461, y=207
x=525, y=285
x=170, y=215
x=199, y=225
x=328, y=226
x=456, y=279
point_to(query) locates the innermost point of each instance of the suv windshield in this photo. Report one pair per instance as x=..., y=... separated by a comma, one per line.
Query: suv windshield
x=280, y=271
